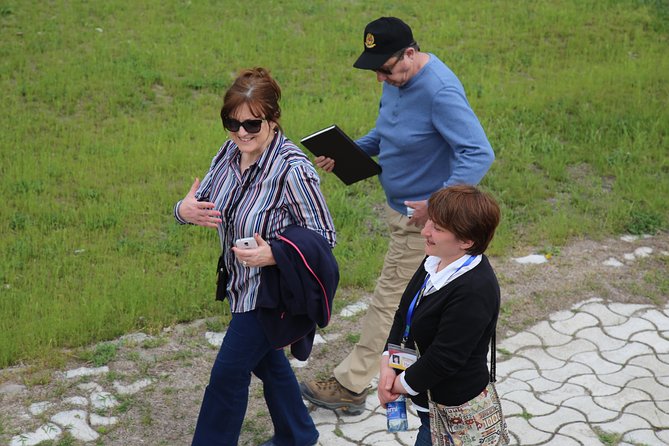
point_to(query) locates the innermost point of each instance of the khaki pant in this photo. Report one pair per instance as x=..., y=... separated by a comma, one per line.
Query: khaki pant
x=406, y=251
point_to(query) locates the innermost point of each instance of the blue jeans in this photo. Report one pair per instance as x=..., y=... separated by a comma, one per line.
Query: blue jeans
x=245, y=349
x=424, y=438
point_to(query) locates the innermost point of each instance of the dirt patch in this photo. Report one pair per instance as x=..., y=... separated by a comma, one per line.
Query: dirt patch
x=178, y=361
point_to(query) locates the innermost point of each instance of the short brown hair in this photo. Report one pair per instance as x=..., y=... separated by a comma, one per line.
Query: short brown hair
x=467, y=212
x=256, y=88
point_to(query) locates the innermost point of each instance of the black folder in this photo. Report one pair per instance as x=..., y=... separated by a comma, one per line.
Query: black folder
x=352, y=164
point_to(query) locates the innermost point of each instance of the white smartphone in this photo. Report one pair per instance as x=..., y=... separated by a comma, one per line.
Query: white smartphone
x=246, y=243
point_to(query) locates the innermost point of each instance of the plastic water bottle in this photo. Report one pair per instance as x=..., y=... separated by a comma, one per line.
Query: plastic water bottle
x=396, y=414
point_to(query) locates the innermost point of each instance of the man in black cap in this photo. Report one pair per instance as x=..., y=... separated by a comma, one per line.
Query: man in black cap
x=426, y=137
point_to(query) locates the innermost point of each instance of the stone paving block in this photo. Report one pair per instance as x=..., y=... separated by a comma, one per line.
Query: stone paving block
x=521, y=340
x=644, y=437
x=663, y=406
x=76, y=401
x=593, y=385
x=623, y=376
x=664, y=358
x=12, y=389
x=603, y=314
x=562, y=315
x=98, y=420
x=133, y=388
x=529, y=402
x=39, y=407
x=612, y=261
x=530, y=435
x=541, y=359
x=322, y=416
x=408, y=438
x=578, y=305
x=357, y=431
x=549, y=336
x=627, y=309
x=506, y=385
x=625, y=331
x=45, y=432
x=509, y=366
x=622, y=399
x=75, y=421
x=86, y=371
x=663, y=435
x=593, y=413
x=383, y=439
x=664, y=380
x=542, y=385
x=565, y=392
x=560, y=417
x=578, y=322
x=103, y=400
x=595, y=361
x=575, y=347
x=566, y=372
x=372, y=401
x=653, y=340
x=651, y=386
x=625, y=354
x=329, y=438
x=562, y=440
x=525, y=374
x=659, y=318
x=603, y=341
x=649, y=411
x=353, y=309
x=510, y=408
x=580, y=432
x=625, y=423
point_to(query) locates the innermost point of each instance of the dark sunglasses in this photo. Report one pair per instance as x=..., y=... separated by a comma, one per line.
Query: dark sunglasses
x=388, y=71
x=250, y=125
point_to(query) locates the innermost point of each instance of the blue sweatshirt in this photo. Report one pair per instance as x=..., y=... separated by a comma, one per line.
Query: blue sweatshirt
x=427, y=137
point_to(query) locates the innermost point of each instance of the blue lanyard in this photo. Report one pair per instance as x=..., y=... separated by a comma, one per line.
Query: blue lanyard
x=419, y=295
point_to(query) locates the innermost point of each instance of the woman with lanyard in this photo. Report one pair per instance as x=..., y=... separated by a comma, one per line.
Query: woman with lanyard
x=448, y=313
x=258, y=184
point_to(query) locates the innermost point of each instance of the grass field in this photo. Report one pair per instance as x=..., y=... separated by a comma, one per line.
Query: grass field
x=110, y=109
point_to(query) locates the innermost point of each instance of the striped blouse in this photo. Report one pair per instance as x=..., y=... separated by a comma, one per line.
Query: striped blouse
x=281, y=188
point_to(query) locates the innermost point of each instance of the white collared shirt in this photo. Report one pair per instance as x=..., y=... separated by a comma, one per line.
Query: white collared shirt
x=436, y=280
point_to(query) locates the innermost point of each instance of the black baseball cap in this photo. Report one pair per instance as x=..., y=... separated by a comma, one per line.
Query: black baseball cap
x=382, y=38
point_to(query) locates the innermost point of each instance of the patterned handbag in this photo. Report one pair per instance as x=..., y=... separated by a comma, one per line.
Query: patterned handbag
x=479, y=421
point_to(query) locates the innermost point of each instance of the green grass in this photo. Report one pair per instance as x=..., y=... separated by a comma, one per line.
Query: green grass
x=109, y=110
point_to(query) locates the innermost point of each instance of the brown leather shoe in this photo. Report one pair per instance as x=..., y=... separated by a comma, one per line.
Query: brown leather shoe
x=332, y=395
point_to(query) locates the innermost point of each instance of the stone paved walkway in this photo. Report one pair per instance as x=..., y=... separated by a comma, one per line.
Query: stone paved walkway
x=582, y=377
x=596, y=372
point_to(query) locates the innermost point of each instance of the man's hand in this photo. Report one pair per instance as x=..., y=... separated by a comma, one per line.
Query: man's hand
x=327, y=164
x=201, y=213
x=419, y=216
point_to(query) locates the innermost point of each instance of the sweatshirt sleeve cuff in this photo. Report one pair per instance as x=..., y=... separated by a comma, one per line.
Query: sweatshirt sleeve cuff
x=408, y=388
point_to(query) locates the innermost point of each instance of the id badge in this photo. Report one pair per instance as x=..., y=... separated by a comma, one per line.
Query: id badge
x=401, y=358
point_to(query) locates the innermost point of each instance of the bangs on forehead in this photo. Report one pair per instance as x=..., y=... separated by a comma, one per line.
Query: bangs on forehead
x=255, y=108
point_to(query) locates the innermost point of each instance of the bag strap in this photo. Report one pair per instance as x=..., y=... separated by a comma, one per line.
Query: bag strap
x=493, y=356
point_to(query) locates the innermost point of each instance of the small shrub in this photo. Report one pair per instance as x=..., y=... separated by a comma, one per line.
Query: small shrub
x=645, y=222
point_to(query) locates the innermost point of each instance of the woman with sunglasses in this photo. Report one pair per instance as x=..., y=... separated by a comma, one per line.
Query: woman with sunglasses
x=259, y=183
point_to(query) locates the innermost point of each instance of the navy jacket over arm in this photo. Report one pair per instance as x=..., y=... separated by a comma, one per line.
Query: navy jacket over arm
x=297, y=293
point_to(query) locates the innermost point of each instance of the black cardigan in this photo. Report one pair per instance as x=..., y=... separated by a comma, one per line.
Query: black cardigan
x=452, y=327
